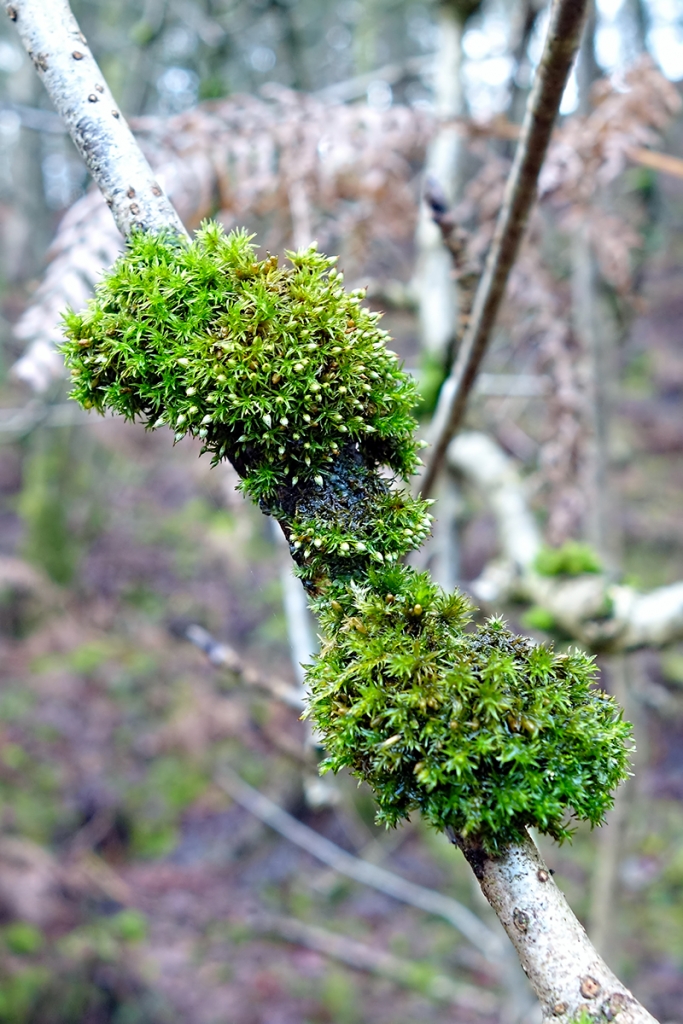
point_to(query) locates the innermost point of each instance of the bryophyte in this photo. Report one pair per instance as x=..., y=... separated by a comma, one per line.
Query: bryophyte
x=283, y=372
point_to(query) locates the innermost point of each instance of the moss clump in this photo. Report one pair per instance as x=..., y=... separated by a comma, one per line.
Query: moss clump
x=284, y=373
x=484, y=731
x=572, y=559
x=275, y=367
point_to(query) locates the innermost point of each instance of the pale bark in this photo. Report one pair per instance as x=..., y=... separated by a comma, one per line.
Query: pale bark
x=561, y=45
x=564, y=969
x=433, y=283
x=76, y=86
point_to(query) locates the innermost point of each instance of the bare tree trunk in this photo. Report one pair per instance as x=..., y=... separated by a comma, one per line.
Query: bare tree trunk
x=433, y=276
x=439, y=306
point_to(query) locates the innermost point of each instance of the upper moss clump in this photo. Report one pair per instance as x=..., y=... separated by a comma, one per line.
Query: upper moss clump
x=483, y=731
x=276, y=367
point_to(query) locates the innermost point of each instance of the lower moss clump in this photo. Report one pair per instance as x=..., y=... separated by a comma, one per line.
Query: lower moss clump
x=483, y=731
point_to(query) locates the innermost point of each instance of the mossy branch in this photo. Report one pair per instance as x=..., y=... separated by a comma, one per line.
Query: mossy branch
x=284, y=373
x=287, y=375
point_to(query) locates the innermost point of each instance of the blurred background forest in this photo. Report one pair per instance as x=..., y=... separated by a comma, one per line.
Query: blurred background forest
x=151, y=633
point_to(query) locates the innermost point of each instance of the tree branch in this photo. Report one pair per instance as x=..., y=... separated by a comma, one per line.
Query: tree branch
x=562, y=41
x=591, y=608
x=553, y=948
x=77, y=88
x=364, y=957
x=565, y=971
x=467, y=923
x=226, y=657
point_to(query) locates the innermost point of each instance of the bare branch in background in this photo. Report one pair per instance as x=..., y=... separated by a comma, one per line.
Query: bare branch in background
x=466, y=269
x=364, y=957
x=562, y=41
x=226, y=657
x=591, y=608
x=76, y=86
x=467, y=923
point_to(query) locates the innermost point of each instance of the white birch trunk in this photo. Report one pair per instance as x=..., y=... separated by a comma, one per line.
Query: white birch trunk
x=433, y=283
x=76, y=86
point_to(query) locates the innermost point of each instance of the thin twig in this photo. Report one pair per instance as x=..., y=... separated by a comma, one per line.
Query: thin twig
x=459, y=916
x=364, y=957
x=657, y=161
x=501, y=128
x=35, y=414
x=562, y=41
x=76, y=86
x=221, y=655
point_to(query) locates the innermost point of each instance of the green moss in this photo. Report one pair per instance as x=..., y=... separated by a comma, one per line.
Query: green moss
x=277, y=366
x=572, y=559
x=20, y=992
x=539, y=618
x=129, y=925
x=483, y=731
x=287, y=375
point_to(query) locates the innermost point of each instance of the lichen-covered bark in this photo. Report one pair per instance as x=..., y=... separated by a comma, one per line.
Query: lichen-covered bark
x=76, y=86
x=564, y=969
x=591, y=608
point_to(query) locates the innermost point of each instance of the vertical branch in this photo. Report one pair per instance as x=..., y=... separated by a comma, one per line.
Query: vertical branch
x=440, y=306
x=76, y=86
x=561, y=45
x=608, y=841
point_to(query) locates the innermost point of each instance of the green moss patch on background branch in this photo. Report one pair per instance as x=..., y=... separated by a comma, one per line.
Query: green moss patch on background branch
x=287, y=375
